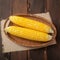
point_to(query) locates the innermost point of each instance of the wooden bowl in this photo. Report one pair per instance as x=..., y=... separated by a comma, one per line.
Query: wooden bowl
x=27, y=43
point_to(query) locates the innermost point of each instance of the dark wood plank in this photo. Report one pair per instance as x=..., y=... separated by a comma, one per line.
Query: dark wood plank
x=36, y=6
x=19, y=55
x=5, y=8
x=19, y=7
x=0, y=30
x=0, y=8
x=54, y=8
x=37, y=54
x=4, y=13
x=1, y=47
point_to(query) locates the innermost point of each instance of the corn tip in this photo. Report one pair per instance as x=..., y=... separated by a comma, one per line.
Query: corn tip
x=50, y=37
x=6, y=29
x=51, y=31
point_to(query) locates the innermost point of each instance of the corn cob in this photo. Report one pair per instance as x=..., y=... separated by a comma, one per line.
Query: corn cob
x=30, y=23
x=28, y=33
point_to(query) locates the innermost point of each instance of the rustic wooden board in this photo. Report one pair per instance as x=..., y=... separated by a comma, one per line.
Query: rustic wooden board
x=5, y=8
x=36, y=6
x=19, y=7
x=28, y=43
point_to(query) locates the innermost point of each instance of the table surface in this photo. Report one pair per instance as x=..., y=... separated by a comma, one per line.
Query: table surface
x=9, y=46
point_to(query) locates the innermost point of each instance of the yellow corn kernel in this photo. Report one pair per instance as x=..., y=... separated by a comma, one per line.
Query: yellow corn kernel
x=28, y=33
x=30, y=23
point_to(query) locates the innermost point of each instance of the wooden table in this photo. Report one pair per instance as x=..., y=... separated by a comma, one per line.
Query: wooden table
x=8, y=7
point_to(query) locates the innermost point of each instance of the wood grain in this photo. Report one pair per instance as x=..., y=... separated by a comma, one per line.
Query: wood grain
x=19, y=55
x=36, y=6
x=54, y=8
x=19, y=7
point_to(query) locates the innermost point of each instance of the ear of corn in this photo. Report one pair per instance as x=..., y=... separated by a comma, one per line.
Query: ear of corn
x=28, y=33
x=30, y=23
